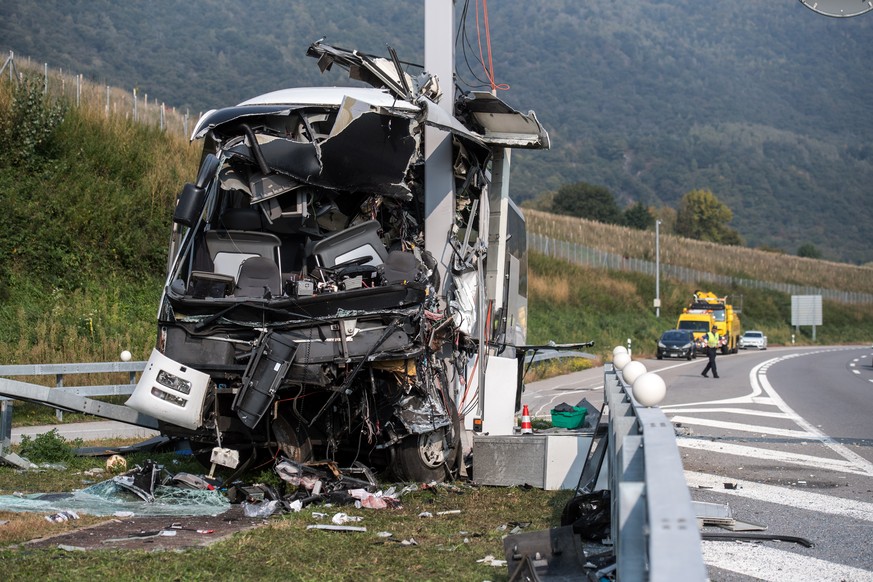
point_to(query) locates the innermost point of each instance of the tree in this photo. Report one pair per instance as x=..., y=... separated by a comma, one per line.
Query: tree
x=809, y=251
x=587, y=201
x=28, y=125
x=638, y=216
x=541, y=202
x=702, y=216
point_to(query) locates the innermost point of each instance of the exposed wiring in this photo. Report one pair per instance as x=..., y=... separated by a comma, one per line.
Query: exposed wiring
x=489, y=68
x=462, y=40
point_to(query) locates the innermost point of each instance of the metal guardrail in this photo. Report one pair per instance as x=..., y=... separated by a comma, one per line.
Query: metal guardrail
x=654, y=526
x=59, y=371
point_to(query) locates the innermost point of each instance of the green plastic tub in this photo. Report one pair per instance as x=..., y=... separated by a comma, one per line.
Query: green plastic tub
x=568, y=419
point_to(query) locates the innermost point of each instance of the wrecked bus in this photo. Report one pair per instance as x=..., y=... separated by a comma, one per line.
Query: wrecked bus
x=302, y=314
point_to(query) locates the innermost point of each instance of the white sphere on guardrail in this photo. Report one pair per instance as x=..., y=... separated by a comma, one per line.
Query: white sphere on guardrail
x=649, y=389
x=619, y=350
x=125, y=356
x=620, y=360
x=632, y=371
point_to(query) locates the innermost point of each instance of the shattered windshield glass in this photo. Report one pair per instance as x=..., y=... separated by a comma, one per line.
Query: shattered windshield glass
x=108, y=498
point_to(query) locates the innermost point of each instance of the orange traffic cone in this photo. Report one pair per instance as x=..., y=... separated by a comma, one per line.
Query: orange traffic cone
x=526, y=427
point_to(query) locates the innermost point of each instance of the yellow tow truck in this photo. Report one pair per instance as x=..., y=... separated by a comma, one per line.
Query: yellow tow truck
x=708, y=309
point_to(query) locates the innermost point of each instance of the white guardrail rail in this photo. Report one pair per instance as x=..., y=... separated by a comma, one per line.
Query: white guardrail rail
x=68, y=398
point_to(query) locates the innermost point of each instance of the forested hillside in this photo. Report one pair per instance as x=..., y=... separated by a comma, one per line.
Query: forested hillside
x=763, y=102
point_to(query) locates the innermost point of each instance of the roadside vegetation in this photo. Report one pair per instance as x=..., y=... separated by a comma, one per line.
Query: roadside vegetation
x=438, y=545
x=87, y=201
x=734, y=261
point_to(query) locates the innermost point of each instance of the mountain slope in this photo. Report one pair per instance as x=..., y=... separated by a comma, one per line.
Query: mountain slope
x=762, y=101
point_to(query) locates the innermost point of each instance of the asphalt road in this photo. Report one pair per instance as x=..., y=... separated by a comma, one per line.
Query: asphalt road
x=783, y=438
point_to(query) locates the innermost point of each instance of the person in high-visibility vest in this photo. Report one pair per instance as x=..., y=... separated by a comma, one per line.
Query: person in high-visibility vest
x=711, y=349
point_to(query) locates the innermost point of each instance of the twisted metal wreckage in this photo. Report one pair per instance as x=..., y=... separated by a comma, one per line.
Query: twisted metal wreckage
x=302, y=312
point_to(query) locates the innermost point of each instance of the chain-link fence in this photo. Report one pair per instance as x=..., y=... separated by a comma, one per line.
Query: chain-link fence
x=583, y=255
x=110, y=101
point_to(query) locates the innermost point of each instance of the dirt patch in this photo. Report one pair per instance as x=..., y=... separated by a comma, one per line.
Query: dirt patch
x=152, y=533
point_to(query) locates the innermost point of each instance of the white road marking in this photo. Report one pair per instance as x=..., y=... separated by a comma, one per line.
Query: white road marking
x=838, y=465
x=743, y=411
x=756, y=560
x=791, y=497
x=826, y=440
x=760, y=385
x=749, y=398
x=739, y=427
x=774, y=565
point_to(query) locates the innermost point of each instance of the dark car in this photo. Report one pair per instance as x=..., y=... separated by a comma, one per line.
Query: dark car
x=676, y=343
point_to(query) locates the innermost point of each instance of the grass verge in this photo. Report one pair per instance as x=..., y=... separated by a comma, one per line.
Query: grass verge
x=438, y=546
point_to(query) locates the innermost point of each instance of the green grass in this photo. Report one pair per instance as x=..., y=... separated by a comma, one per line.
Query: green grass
x=447, y=547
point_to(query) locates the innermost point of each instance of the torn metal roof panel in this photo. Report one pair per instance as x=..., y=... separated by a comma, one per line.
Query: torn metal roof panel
x=503, y=125
x=331, y=96
x=285, y=101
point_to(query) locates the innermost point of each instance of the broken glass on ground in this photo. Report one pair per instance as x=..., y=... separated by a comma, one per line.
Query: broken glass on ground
x=144, y=491
x=150, y=490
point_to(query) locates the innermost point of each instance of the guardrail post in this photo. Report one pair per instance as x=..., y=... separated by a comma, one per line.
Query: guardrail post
x=674, y=544
x=631, y=502
x=59, y=383
x=5, y=425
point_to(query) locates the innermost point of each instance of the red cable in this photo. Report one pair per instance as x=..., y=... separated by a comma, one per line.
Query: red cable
x=489, y=68
x=488, y=41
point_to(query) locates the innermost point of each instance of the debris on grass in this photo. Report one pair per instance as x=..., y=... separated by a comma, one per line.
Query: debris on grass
x=343, y=518
x=62, y=516
x=492, y=561
x=351, y=528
